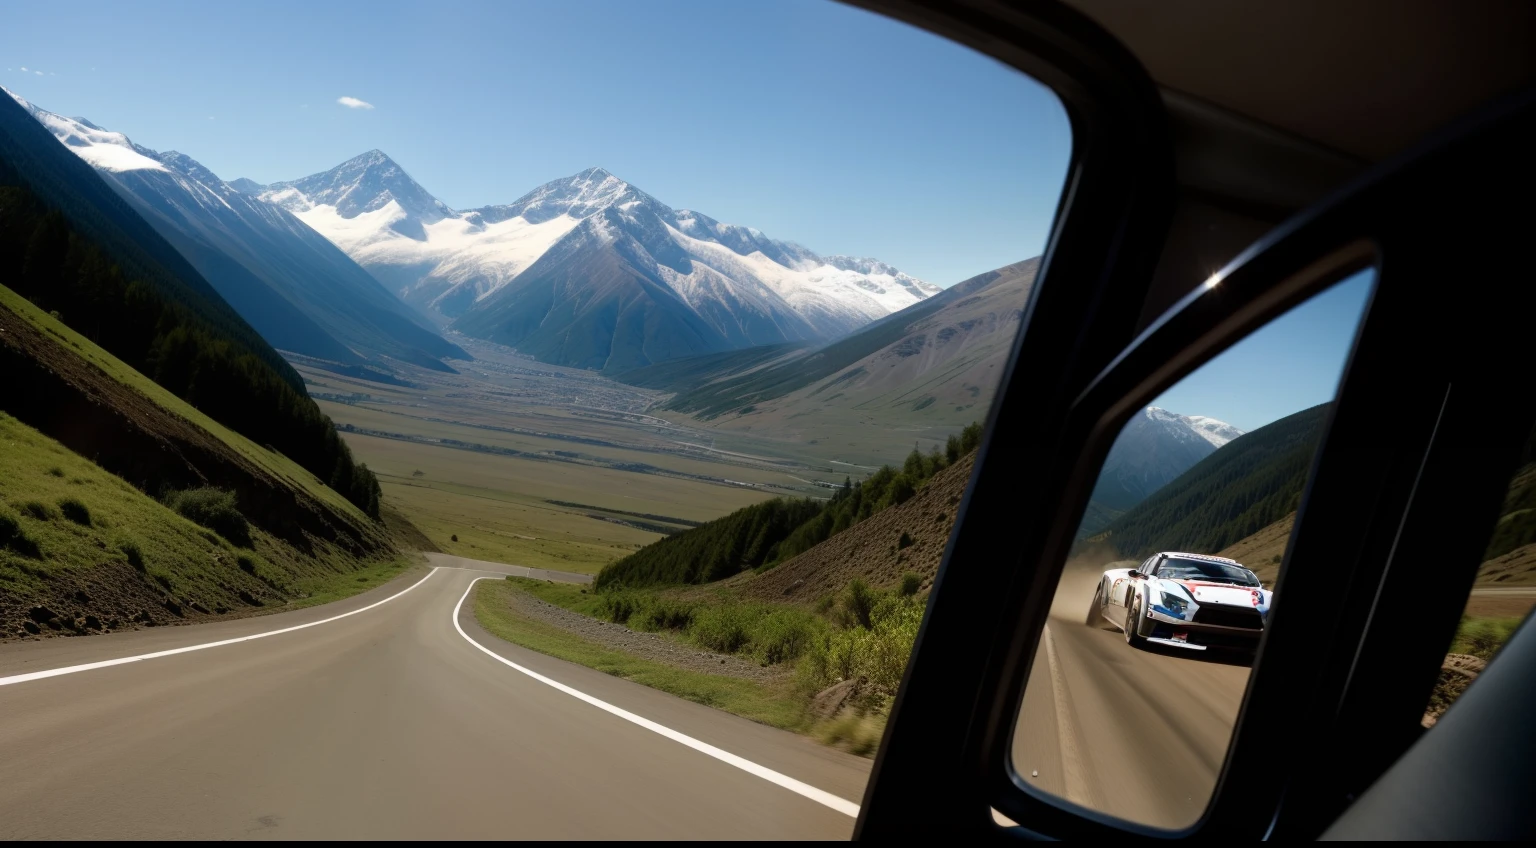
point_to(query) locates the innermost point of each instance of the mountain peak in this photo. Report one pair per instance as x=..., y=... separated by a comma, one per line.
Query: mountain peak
x=245, y=185
x=580, y=195
x=1212, y=430
x=103, y=149
x=365, y=183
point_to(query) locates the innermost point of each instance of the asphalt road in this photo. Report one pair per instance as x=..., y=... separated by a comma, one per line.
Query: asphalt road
x=1139, y=734
x=388, y=723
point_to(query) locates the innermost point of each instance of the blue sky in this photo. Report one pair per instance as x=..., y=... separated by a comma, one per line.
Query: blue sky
x=811, y=121
x=1290, y=364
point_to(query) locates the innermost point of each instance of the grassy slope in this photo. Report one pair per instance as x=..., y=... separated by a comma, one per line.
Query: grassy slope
x=272, y=462
x=197, y=571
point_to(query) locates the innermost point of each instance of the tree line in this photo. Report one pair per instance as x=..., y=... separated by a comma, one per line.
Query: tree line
x=1226, y=497
x=48, y=261
x=763, y=535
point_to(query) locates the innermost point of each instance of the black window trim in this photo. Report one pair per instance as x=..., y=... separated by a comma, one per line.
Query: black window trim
x=944, y=758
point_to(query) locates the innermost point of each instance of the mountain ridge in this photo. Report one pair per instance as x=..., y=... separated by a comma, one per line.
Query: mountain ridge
x=294, y=286
x=713, y=286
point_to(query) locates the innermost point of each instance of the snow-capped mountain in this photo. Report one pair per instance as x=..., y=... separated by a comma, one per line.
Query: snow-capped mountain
x=712, y=286
x=293, y=285
x=1155, y=447
x=1216, y=432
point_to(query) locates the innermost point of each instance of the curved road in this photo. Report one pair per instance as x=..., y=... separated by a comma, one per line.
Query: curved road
x=388, y=722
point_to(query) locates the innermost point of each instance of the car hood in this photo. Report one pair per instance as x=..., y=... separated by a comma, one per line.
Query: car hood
x=1218, y=593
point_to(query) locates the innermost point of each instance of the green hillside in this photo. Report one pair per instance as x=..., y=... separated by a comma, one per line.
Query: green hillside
x=1252, y=482
x=1517, y=517
x=82, y=551
x=765, y=534
x=71, y=246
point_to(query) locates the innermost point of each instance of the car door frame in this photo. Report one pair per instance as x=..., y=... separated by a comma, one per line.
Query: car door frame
x=944, y=760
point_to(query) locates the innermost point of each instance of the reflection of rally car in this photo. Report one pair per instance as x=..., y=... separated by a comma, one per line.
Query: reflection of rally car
x=1189, y=601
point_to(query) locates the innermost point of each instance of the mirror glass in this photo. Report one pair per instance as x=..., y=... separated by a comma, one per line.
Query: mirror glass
x=1156, y=621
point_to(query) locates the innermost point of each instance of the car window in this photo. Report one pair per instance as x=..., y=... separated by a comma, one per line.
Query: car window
x=657, y=338
x=1136, y=685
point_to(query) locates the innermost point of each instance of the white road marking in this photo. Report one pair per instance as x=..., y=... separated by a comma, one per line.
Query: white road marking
x=76, y=669
x=824, y=798
x=1073, y=777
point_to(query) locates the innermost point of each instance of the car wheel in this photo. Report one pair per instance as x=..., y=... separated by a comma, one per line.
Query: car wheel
x=1096, y=609
x=1132, y=621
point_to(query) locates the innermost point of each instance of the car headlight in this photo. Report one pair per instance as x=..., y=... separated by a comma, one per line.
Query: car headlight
x=1175, y=603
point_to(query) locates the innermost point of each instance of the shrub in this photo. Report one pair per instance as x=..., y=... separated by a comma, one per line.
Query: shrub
x=723, y=628
x=858, y=604
x=38, y=510
x=783, y=635
x=215, y=509
x=656, y=613
x=619, y=606
x=75, y=511
x=56, y=471
x=246, y=563
x=910, y=583
x=454, y=537
x=876, y=654
x=131, y=551
x=905, y=541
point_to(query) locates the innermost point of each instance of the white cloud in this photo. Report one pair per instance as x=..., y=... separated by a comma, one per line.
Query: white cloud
x=354, y=103
x=39, y=73
x=23, y=70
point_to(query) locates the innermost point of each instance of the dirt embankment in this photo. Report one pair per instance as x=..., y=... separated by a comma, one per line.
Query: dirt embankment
x=872, y=550
x=55, y=391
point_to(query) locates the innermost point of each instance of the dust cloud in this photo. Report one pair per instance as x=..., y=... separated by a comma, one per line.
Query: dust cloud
x=1079, y=578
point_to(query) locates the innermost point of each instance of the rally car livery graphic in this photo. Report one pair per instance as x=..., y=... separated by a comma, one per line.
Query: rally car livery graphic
x=1190, y=601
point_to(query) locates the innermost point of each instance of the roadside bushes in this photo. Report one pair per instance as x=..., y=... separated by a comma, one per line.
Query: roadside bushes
x=768, y=633
x=860, y=634
x=1483, y=636
x=875, y=654
x=215, y=509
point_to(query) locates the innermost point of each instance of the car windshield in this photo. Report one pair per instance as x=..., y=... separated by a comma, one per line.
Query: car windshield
x=1216, y=572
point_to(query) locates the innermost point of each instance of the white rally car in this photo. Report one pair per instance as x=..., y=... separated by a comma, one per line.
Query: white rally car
x=1191, y=601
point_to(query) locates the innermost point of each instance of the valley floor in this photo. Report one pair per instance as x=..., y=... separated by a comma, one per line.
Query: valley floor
x=517, y=461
